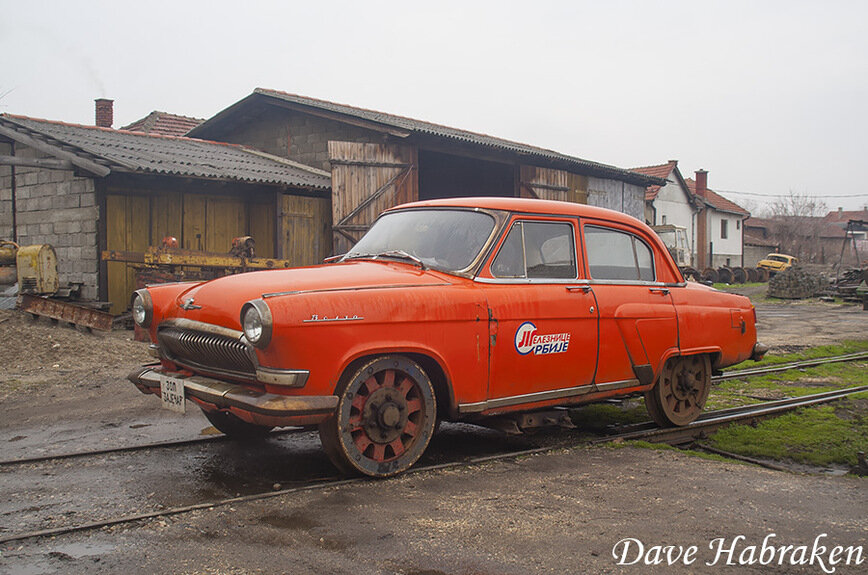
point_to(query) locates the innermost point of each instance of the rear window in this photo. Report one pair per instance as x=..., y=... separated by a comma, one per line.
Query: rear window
x=617, y=255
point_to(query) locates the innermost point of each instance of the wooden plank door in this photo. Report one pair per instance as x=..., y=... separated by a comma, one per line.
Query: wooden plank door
x=367, y=179
x=127, y=229
x=305, y=229
x=550, y=184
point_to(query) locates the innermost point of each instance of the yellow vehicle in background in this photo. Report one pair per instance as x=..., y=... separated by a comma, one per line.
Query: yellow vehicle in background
x=777, y=263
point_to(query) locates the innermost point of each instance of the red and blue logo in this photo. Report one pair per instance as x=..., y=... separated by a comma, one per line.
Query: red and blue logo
x=527, y=340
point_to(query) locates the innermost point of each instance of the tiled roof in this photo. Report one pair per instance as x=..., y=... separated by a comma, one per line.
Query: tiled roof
x=754, y=239
x=403, y=126
x=136, y=152
x=717, y=201
x=662, y=171
x=842, y=216
x=164, y=124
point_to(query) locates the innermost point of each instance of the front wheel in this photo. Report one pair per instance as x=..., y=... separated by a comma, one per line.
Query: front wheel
x=681, y=390
x=384, y=419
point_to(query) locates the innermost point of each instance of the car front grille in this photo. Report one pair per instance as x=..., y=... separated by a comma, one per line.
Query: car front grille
x=206, y=351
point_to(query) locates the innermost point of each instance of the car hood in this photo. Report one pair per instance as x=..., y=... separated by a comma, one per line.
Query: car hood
x=221, y=299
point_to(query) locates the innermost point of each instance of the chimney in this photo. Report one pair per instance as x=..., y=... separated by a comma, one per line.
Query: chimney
x=701, y=183
x=703, y=258
x=104, y=112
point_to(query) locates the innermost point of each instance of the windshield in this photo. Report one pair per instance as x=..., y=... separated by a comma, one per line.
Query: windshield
x=776, y=258
x=444, y=239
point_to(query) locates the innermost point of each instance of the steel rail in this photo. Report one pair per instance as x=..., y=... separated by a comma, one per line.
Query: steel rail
x=673, y=436
x=725, y=376
x=788, y=366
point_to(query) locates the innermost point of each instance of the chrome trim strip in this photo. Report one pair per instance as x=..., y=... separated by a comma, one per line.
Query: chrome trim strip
x=526, y=281
x=316, y=319
x=183, y=323
x=282, y=377
x=618, y=384
x=526, y=398
x=296, y=292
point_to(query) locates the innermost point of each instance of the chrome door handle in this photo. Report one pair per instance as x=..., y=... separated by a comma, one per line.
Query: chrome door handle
x=663, y=291
x=584, y=288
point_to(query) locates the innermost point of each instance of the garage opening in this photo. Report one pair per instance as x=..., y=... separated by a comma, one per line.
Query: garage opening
x=447, y=176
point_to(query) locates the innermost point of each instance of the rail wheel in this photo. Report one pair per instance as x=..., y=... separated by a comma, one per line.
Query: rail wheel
x=384, y=419
x=235, y=427
x=681, y=391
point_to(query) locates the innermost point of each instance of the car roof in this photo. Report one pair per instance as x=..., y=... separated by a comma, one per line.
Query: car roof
x=526, y=205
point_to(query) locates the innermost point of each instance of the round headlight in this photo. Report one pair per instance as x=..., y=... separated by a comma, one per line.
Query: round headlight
x=142, y=308
x=256, y=322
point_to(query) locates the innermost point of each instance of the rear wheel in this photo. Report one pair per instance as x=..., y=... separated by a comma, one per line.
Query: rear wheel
x=681, y=391
x=234, y=426
x=384, y=419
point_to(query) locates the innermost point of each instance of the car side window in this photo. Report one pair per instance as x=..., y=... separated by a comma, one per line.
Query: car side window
x=617, y=255
x=537, y=250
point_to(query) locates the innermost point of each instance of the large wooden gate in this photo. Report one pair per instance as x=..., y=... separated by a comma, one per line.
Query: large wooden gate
x=367, y=179
x=550, y=184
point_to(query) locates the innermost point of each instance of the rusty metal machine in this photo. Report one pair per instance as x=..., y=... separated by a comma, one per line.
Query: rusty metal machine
x=34, y=268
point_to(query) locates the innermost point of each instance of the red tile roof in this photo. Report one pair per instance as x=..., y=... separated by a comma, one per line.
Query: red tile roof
x=661, y=171
x=717, y=201
x=164, y=124
x=842, y=216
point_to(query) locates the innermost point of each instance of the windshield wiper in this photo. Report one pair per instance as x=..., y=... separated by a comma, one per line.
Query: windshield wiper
x=400, y=254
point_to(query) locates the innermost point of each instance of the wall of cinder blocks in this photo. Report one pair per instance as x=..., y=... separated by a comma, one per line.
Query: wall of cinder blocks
x=299, y=137
x=54, y=207
x=5, y=195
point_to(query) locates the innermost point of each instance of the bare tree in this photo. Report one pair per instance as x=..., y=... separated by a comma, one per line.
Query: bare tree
x=798, y=224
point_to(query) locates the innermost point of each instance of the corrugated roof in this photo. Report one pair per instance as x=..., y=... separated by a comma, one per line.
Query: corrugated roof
x=137, y=152
x=164, y=124
x=411, y=126
x=717, y=201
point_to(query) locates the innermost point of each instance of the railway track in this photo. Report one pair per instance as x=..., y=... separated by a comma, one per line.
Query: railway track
x=199, y=440
x=699, y=429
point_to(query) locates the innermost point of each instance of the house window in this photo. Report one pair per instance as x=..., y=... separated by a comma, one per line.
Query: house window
x=738, y=224
x=723, y=225
x=664, y=219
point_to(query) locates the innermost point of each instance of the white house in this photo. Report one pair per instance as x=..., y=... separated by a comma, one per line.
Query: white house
x=719, y=227
x=673, y=204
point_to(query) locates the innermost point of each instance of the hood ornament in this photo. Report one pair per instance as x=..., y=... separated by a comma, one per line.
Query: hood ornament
x=188, y=304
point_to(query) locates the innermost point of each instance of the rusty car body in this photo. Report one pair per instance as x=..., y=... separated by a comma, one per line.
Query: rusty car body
x=459, y=309
x=776, y=262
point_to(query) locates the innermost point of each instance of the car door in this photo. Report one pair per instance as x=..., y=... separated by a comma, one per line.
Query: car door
x=638, y=323
x=543, y=319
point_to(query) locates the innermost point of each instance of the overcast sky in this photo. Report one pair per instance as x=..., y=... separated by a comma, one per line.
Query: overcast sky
x=769, y=97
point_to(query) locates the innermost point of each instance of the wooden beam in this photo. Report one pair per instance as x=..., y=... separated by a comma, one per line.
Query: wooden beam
x=85, y=164
x=36, y=163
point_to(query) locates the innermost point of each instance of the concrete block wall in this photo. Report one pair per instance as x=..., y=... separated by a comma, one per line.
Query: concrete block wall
x=56, y=207
x=619, y=196
x=309, y=137
x=6, y=195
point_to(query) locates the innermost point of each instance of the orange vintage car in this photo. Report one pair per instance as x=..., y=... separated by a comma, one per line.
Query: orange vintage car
x=458, y=309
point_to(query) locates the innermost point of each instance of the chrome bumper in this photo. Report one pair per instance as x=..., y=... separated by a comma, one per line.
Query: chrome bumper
x=228, y=395
x=759, y=351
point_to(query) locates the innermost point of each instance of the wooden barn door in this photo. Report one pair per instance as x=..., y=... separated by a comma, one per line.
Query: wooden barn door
x=367, y=179
x=549, y=184
x=305, y=229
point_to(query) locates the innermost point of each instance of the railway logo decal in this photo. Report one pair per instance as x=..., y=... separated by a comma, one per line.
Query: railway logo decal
x=527, y=340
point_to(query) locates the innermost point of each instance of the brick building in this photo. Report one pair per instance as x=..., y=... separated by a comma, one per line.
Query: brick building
x=85, y=189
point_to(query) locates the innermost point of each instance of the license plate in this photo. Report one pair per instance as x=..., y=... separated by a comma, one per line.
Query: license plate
x=172, y=393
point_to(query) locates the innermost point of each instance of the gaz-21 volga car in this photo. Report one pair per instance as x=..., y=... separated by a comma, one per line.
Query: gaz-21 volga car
x=457, y=309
